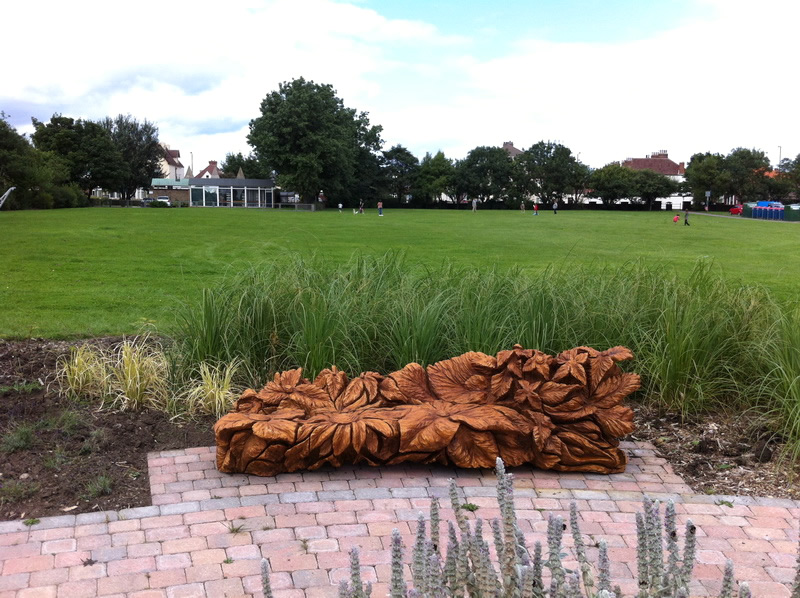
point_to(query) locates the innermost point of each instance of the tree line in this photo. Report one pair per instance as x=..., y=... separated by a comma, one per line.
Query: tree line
x=66, y=159
x=311, y=142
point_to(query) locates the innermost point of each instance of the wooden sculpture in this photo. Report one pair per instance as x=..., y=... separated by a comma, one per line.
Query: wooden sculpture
x=561, y=413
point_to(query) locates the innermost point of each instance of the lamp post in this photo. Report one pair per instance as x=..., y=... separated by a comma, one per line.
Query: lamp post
x=780, y=154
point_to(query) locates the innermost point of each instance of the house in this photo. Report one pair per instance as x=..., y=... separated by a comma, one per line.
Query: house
x=511, y=150
x=659, y=162
x=211, y=171
x=171, y=166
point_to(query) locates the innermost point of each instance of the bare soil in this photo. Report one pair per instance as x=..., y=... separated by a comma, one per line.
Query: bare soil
x=73, y=444
x=80, y=459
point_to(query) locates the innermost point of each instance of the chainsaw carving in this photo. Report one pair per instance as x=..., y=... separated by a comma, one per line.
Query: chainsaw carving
x=561, y=413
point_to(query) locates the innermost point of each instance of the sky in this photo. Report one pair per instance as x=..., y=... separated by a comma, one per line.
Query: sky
x=610, y=79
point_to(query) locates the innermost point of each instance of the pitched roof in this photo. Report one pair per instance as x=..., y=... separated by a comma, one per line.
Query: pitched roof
x=510, y=149
x=171, y=157
x=658, y=161
x=212, y=170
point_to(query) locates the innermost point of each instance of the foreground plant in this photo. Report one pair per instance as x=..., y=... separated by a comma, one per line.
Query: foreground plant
x=467, y=567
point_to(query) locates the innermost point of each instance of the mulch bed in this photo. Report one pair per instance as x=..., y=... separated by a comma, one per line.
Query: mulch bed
x=74, y=444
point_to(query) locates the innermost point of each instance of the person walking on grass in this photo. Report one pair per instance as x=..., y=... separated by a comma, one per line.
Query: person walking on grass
x=535, y=209
x=686, y=217
x=522, y=207
x=380, y=208
x=555, y=207
x=474, y=205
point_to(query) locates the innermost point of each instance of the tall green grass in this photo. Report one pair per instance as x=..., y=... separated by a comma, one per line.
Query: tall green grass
x=700, y=341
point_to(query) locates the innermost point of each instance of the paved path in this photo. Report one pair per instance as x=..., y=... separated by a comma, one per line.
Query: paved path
x=186, y=543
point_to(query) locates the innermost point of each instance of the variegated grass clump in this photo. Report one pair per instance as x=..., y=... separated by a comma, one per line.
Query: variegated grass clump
x=214, y=392
x=131, y=375
x=137, y=374
x=467, y=568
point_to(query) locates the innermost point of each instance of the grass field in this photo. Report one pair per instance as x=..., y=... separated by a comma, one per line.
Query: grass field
x=89, y=272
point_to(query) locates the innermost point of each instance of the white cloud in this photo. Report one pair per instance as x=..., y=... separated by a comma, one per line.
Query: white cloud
x=200, y=70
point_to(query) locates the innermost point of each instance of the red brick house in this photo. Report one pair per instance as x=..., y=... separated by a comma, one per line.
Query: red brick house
x=660, y=162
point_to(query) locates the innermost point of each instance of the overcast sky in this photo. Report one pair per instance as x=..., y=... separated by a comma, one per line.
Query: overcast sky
x=610, y=79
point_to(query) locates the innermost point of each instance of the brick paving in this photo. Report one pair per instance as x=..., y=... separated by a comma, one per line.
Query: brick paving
x=206, y=532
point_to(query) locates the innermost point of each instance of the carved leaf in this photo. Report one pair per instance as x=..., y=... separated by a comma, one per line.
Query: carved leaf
x=332, y=380
x=572, y=367
x=616, y=422
x=470, y=448
x=408, y=386
x=360, y=393
x=463, y=379
x=276, y=430
x=424, y=430
x=538, y=364
x=612, y=390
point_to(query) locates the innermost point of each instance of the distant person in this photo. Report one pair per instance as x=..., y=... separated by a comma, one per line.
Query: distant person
x=361, y=206
x=555, y=207
x=522, y=207
x=535, y=209
x=686, y=217
x=676, y=218
x=340, y=208
x=380, y=208
x=474, y=205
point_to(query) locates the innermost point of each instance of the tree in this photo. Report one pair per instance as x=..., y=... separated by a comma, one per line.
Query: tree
x=400, y=170
x=650, y=185
x=251, y=166
x=748, y=170
x=313, y=141
x=707, y=172
x=612, y=183
x=790, y=171
x=141, y=153
x=487, y=173
x=86, y=148
x=579, y=181
x=546, y=170
x=41, y=178
x=432, y=178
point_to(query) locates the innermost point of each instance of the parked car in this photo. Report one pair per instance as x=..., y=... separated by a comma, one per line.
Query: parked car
x=736, y=210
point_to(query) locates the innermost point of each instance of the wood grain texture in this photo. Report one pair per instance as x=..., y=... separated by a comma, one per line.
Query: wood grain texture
x=563, y=413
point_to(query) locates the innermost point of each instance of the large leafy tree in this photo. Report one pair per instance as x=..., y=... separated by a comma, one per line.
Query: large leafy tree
x=650, y=185
x=487, y=174
x=400, y=170
x=314, y=142
x=547, y=170
x=748, y=170
x=141, y=153
x=41, y=178
x=790, y=171
x=86, y=148
x=433, y=177
x=612, y=183
x=707, y=172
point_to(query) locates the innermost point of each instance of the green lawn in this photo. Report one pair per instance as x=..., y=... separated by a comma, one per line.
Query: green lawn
x=87, y=272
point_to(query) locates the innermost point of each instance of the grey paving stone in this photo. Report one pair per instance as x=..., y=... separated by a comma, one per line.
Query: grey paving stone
x=229, y=502
x=336, y=495
x=54, y=522
x=139, y=512
x=409, y=492
x=99, y=517
x=479, y=491
x=590, y=494
x=370, y=493
x=294, y=497
x=7, y=527
x=259, y=499
x=181, y=507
